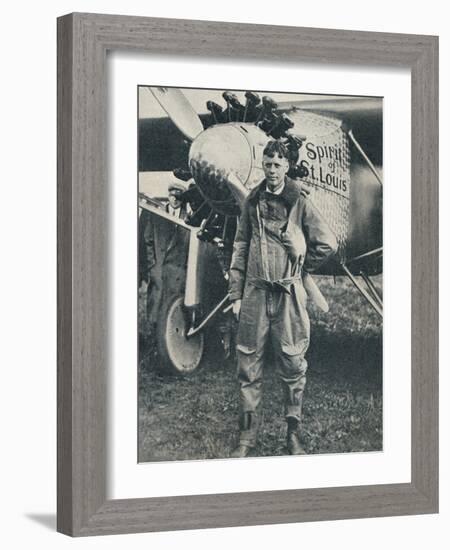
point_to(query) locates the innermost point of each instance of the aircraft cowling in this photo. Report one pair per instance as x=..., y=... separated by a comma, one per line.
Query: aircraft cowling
x=226, y=163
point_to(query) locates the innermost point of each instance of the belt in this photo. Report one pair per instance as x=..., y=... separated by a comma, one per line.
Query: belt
x=280, y=285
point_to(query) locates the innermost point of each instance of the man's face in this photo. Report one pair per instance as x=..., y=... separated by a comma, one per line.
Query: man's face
x=175, y=199
x=275, y=169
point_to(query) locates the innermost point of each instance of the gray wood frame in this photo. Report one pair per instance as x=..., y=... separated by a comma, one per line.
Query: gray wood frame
x=83, y=41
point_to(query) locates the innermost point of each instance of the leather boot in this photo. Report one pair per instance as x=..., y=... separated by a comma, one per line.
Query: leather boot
x=293, y=438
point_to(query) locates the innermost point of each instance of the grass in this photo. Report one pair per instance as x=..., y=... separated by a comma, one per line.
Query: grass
x=197, y=417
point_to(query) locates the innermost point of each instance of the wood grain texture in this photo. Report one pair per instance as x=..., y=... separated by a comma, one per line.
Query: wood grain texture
x=83, y=40
x=424, y=258
x=64, y=198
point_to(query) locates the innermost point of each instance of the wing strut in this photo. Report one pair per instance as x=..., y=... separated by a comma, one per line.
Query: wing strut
x=372, y=288
x=371, y=295
x=361, y=151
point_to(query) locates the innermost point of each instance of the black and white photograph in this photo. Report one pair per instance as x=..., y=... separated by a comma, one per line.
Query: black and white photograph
x=260, y=274
x=221, y=275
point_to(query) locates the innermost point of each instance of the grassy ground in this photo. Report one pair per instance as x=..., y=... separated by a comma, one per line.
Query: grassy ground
x=197, y=417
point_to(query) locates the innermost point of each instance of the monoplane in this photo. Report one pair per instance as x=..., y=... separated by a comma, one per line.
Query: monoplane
x=335, y=145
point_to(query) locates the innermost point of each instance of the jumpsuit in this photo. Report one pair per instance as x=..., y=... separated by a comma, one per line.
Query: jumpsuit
x=278, y=236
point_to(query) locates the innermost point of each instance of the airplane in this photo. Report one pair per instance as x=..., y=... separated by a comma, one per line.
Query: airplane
x=335, y=145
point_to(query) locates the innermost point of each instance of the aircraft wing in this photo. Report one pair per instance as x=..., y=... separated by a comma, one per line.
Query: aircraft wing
x=340, y=107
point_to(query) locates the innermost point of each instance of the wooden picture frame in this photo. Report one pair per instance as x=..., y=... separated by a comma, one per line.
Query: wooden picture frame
x=83, y=42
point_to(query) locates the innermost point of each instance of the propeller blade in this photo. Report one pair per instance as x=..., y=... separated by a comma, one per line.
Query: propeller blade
x=180, y=111
x=240, y=192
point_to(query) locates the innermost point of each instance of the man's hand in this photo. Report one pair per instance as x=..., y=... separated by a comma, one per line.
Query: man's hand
x=237, y=309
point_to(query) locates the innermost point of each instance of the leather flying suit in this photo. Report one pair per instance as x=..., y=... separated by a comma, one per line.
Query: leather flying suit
x=277, y=237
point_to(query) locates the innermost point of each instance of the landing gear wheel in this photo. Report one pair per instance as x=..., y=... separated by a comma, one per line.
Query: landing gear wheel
x=178, y=353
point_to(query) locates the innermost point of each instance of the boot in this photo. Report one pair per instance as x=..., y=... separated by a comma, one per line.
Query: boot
x=241, y=451
x=248, y=423
x=293, y=438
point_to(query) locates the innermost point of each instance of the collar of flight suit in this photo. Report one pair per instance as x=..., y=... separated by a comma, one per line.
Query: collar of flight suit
x=290, y=193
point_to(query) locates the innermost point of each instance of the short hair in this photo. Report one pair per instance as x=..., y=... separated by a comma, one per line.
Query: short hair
x=274, y=148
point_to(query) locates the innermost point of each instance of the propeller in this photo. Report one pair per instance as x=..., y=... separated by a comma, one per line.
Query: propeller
x=180, y=111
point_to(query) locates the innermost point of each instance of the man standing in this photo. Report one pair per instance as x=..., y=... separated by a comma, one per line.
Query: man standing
x=280, y=234
x=162, y=252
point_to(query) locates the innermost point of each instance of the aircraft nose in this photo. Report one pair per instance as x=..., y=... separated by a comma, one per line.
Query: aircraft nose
x=215, y=154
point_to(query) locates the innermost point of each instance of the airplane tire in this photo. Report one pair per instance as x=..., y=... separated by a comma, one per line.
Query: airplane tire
x=177, y=353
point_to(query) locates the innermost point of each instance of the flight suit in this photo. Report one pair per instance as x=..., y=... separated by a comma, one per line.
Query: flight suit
x=278, y=236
